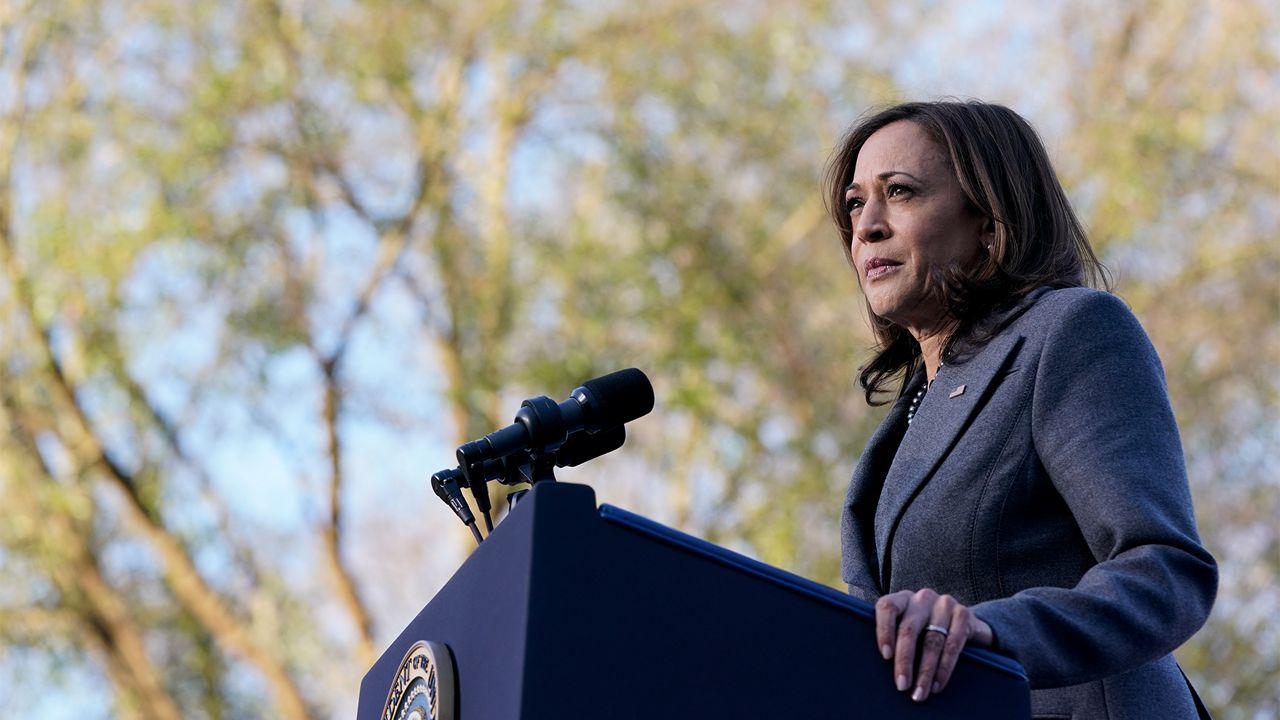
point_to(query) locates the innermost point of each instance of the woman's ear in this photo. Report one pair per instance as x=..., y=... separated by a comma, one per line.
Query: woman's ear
x=988, y=238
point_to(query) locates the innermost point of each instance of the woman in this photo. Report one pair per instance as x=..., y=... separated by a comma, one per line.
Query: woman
x=1026, y=491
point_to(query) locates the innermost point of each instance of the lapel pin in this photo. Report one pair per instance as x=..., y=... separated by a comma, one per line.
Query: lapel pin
x=957, y=392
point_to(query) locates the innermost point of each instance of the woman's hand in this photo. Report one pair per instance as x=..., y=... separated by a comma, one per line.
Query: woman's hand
x=900, y=619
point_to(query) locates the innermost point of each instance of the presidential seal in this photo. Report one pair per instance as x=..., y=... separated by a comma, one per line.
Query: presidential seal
x=423, y=687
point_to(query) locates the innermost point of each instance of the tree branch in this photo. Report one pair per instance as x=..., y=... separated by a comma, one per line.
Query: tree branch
x=184, y=579
x=107, y=613
x=89, y=600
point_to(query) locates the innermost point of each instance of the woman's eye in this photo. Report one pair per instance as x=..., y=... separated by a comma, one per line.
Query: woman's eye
x=897, y=190
x=853, y=203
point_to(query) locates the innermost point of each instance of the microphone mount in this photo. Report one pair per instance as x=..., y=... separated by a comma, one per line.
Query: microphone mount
x=546, y=435
x=542, y=425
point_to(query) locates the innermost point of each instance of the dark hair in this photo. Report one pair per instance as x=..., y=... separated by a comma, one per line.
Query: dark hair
x=1005, y=174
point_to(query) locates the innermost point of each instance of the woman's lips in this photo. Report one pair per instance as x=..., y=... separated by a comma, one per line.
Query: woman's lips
x=876, y=267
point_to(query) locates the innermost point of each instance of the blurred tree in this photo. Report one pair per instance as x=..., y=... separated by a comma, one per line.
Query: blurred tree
x=233, y=234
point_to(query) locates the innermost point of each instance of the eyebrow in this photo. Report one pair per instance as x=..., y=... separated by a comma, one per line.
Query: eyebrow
x=882, y=176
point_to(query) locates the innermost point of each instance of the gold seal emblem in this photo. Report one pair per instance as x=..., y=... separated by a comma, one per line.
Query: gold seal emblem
x=423, y=687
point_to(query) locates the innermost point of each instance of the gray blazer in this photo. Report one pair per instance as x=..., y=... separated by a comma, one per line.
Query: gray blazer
x=1042, y=484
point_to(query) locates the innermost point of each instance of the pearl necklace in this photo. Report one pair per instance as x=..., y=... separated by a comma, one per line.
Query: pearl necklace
x=915, y=401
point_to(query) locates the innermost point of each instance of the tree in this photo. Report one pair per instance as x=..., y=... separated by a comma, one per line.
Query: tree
x=238, y=231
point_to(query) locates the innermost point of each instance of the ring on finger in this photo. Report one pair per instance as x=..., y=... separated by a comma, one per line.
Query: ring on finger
x=938, y=629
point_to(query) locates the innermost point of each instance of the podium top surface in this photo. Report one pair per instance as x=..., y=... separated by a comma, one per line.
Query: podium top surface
x=815, y=591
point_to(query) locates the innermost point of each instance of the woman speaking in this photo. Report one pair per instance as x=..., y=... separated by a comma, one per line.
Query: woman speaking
x=1026, y=490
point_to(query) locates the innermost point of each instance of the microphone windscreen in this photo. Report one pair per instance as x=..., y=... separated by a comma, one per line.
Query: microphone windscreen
x=581, y=447
x=619, y=397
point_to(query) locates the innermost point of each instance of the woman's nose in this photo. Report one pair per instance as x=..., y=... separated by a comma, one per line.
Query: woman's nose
x=871, y=225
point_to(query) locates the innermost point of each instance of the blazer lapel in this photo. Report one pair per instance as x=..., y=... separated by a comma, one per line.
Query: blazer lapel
x=860, y=566
x=958, y=391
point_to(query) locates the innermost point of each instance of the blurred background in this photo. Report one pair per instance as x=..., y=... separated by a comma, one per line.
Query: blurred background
x=265, y=263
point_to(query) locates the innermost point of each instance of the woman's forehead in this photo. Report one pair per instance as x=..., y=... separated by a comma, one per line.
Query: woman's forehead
x=902, y=146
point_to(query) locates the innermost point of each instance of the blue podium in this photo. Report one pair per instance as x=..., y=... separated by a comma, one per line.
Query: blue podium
x=570, y=611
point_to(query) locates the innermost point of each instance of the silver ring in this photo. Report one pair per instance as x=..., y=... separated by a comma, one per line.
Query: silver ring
x=938, y=629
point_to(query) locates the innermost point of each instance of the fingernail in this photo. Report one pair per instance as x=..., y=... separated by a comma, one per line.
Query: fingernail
x=886, y=651
x=936, y=687
x=902, y=682
x=918, y=695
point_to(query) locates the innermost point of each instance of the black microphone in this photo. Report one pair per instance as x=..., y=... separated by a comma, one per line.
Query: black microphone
x=542, y=425
x=578, y=449
x=521, y=467
x=589, y=446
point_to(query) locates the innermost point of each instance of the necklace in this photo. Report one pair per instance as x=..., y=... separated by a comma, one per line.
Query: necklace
x=915, y=401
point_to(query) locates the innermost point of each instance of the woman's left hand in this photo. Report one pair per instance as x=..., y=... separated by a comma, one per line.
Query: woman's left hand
x=901, y=618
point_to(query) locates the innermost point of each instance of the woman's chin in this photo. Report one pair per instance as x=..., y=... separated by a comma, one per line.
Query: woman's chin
x=884, y=306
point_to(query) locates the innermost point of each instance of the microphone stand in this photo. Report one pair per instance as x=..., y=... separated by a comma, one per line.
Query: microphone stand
x=526, y=467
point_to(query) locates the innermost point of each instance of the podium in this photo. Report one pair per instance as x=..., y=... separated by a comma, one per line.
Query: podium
x=570, y=611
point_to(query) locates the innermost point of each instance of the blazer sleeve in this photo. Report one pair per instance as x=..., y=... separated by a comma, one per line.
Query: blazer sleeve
x=1105, y=434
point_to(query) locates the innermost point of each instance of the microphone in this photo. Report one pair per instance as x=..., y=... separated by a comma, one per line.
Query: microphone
x=542, y=425
x=521, y=467
x=587, y=446
x=578, y=449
